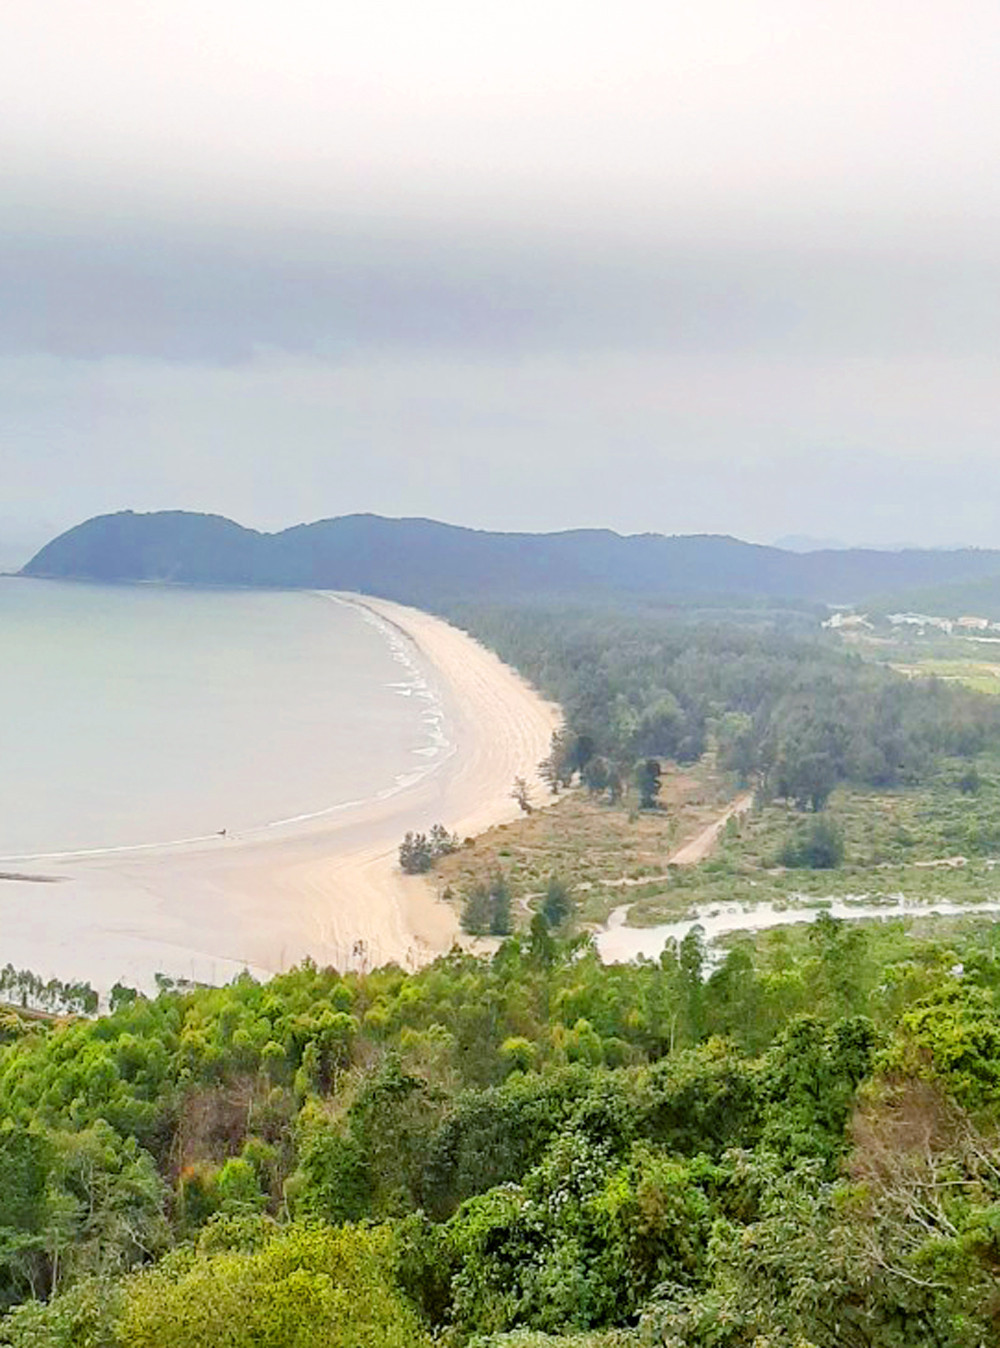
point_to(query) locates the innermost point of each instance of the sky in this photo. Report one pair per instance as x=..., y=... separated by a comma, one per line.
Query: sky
x=731, y=267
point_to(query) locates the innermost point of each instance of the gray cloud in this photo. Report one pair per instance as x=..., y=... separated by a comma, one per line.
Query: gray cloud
x=652, y=441
x=222, y=297
x=729, y=267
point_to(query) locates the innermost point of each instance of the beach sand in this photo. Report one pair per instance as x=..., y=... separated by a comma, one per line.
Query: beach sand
x=330, y=889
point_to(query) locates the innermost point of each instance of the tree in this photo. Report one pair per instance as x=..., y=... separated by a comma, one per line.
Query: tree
x=570, y=753
x=737, y=744
x=107, y=1205
x=808, y=778
x=819, y=847
x=661, y=728
x=26, y=1159
x=597, y=775
x=418, y=851
x=415, y=856
x=519, y=792
x=122, y=995
x=691, y=964
x=442, y=842
x=647, y=775
x=557, y=905
x=315, y=1288
x=500, y=919
x=476, y=911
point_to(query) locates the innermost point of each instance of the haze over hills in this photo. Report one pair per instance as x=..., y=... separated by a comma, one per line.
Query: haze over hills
x=806, y=543
x=422, y=561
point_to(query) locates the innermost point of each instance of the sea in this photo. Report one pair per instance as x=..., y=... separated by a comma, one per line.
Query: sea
x=134, y=717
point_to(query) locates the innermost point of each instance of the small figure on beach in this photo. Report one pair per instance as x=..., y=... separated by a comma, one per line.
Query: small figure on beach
x=223, y=833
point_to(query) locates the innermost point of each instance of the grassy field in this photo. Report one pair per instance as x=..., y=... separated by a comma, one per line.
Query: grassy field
x=938, y=841
x=956, y=659
x=605, y=853
x=934, y=842
x=982, y=676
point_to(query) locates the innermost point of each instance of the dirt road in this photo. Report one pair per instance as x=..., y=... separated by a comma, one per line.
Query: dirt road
x=698, y=847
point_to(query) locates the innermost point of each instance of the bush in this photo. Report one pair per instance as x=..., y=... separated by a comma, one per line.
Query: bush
x=315, y=1288
x=82, y=1317
x=419, y=851
x=486, y=910
x=819, y=847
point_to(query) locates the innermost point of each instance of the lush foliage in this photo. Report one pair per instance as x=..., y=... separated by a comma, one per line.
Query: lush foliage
x=792, y=714
x=797, y=1146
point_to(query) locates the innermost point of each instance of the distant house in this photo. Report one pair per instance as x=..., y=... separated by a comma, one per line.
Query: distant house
x=847, y=621
x=971, y=624
x=921, y=621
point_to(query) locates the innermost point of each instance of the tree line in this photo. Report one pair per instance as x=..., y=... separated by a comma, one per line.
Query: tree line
x=795, y=1145
x=793, y=715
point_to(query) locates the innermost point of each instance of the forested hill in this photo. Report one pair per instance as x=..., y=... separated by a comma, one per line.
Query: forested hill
x=422, y=561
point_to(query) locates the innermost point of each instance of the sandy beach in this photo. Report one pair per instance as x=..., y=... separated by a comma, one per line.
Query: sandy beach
x=330, y=889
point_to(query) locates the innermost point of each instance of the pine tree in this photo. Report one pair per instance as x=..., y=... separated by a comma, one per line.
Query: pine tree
x=558, y=903
x=477, y=911
x=500, y=920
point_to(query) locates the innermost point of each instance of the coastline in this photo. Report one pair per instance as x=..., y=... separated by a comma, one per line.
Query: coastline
x=330, y=890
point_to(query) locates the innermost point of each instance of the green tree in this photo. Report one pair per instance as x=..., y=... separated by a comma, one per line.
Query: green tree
x=26, y=1160
x=557, y=904
x=415, y=854
x=661, y=728
x=477, y=911
x=500, y=916
x=314, y=1288
x=820, y=846
x=691, y=964
x=647, y=776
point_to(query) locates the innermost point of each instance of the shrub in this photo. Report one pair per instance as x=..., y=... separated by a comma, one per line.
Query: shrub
x=419, y=851
x=311, y=1287
x=819, y=847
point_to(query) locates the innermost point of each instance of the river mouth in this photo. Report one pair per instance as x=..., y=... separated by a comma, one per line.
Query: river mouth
x=618, y=943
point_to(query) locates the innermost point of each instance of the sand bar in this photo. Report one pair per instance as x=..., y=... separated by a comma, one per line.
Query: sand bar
x=330, y=888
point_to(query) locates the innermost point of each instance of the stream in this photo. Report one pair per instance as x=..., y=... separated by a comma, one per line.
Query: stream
x=618, y=943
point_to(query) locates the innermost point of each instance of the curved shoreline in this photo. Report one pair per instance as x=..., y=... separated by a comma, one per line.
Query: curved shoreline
x=395, y=637
x=329, y=888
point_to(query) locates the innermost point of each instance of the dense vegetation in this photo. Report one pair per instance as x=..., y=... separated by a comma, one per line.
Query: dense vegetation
x=791, y=714
x=799, y=1149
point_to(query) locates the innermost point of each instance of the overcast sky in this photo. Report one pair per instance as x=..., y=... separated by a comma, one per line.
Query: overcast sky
x=731, y=266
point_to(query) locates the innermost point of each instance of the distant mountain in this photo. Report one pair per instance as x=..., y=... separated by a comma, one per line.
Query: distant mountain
x=423, y=562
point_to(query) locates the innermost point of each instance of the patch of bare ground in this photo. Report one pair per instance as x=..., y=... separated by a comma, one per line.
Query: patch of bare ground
x=596, y=848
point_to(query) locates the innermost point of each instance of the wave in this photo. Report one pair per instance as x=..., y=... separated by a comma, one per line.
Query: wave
x=437, y=750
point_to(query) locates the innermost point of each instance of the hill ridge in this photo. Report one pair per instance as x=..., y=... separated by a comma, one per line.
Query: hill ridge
x=426, y=562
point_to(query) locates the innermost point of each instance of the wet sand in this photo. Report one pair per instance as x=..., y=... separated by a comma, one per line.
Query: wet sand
x=329, y=889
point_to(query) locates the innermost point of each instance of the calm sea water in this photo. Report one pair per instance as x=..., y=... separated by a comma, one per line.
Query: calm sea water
x=132, y=716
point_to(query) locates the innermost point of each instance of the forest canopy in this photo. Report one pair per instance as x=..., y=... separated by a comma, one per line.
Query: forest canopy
x=662, y=1152
x=790, y=713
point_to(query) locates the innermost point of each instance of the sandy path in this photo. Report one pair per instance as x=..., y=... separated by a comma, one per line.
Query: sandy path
x=699, y=847
x=331, y=890
x=619, y=943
